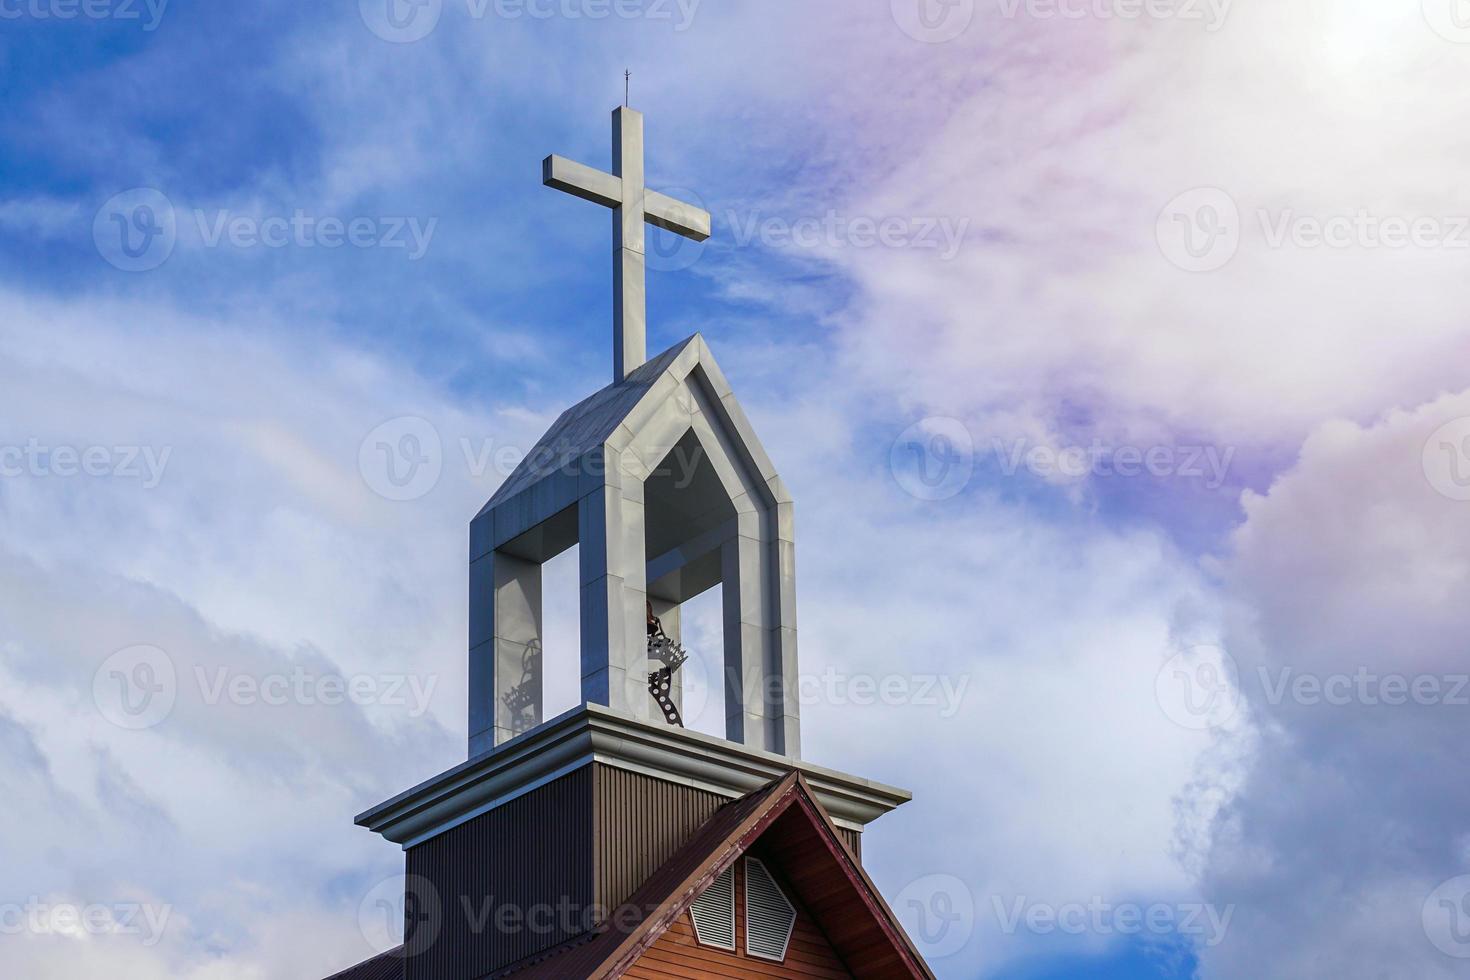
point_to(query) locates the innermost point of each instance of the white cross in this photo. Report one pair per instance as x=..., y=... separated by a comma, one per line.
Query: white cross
x=632, y=204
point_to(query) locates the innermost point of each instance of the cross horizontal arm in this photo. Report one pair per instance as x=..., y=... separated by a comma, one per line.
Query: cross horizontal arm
x=599, y=187
x=582, y=181
x=664, y=212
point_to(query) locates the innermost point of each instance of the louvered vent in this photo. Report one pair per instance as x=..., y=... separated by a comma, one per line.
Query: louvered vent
x=713, y=912
x=769, y=915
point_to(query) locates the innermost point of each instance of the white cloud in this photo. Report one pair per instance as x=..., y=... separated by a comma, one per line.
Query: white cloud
x=261, y=557
x=1353, y=812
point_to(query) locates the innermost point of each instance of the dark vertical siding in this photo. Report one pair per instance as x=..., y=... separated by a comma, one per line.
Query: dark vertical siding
x=533, y=851
x=640, y=823
x=854, y=839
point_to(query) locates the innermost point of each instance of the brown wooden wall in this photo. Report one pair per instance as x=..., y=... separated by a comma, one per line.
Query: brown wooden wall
x=677, y=954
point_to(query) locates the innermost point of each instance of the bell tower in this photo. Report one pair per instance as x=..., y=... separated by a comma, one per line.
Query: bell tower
x=662, y=483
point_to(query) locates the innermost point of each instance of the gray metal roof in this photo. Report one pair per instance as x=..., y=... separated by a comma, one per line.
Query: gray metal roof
x=586, y=425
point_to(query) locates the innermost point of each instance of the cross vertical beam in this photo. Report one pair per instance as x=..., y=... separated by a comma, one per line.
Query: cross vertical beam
x=630, y=312
x=632, y=206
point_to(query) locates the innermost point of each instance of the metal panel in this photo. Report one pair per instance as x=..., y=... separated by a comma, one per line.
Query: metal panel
x=640, y=822
x=503, y=880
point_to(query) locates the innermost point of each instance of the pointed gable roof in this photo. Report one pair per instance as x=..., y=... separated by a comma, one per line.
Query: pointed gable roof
x=628, y=404
x=796, y=832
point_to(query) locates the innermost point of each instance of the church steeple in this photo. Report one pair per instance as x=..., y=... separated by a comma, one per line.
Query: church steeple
x=662, y=482
x=527, y=859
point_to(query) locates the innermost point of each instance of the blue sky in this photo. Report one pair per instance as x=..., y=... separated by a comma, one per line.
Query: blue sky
x=1100, y=417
